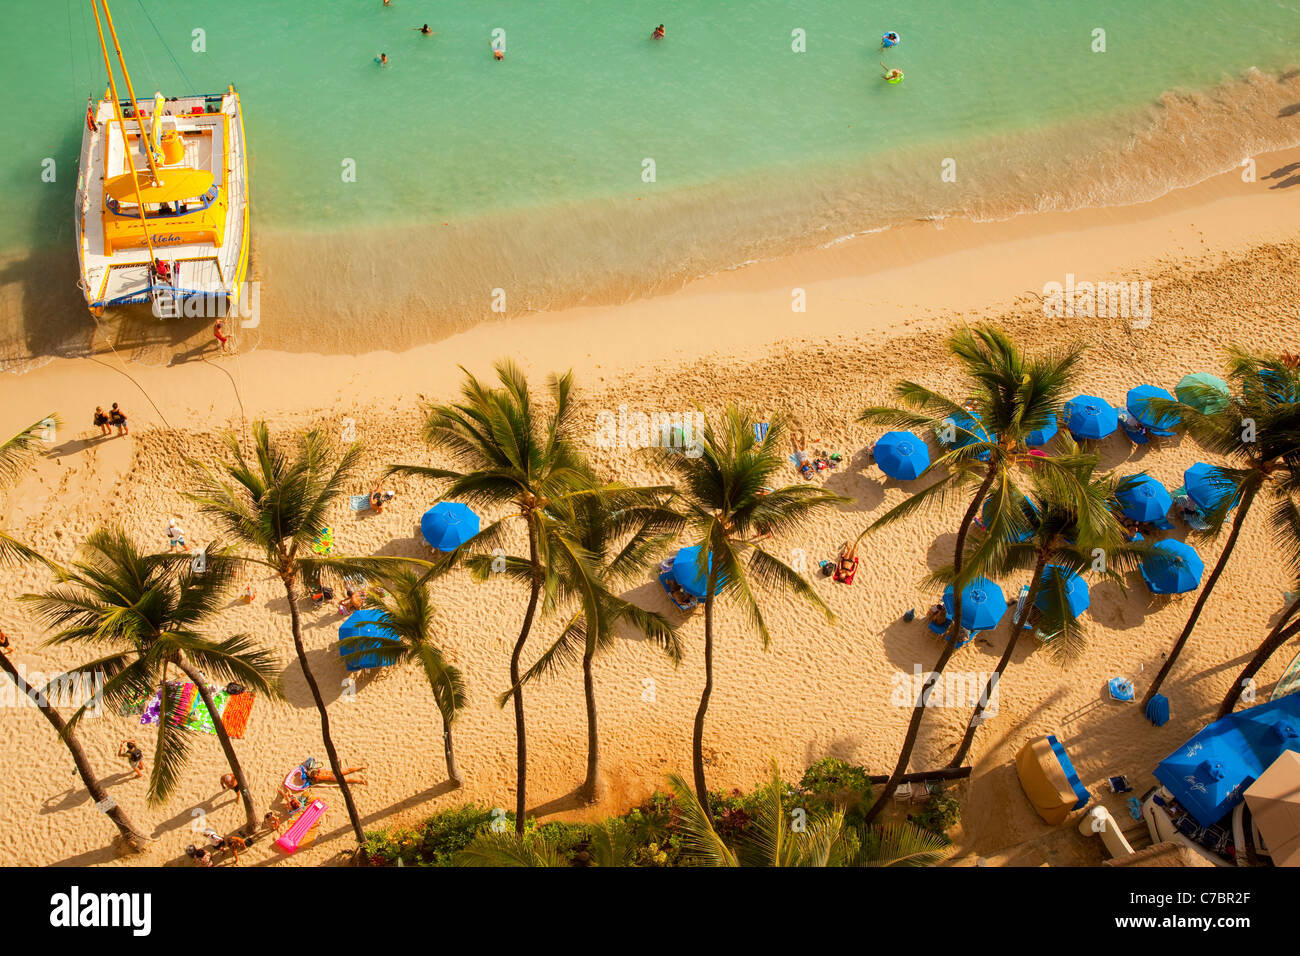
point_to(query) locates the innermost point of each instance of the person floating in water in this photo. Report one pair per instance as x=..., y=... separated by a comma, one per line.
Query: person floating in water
x=424, y=29
x=659, y=33
x=383, y=59
x=498, y=53
x=893, y=75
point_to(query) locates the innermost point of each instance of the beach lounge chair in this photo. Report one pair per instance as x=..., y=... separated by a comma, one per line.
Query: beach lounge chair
x=919, y=792
x=939, y=629
x=667, y=580
x=292, y=838
x=1120, y=784
x=1136, y=433
x=760, y=431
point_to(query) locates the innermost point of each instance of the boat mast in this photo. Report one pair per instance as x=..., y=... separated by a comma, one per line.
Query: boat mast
x=117, y=108
x=130, y=92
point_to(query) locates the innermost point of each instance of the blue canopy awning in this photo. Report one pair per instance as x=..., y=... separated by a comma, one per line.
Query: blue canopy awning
x=692, y=578
x=1209, y=774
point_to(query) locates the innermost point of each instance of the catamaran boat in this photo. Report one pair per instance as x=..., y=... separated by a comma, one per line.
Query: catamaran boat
x=162, y=198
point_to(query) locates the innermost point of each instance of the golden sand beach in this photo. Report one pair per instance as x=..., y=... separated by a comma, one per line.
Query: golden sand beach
x=1221, y=259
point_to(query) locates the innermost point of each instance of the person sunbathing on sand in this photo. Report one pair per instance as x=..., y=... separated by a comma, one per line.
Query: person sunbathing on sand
x=801, y=461
x=327, y=776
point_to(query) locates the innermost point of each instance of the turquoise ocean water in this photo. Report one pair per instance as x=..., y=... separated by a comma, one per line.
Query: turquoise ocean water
x=530, y=174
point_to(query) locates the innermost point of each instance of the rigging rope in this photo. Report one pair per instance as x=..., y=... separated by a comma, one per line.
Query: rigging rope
x=192, y=88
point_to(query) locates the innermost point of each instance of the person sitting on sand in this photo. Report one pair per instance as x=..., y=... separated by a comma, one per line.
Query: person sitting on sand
x=680, y=594
x=101, y=419
x=938, y=615
x=134, y=756
x=321, y=775
x=424, y=29
x=659, y=33
x=379, y=497
x=199, y=855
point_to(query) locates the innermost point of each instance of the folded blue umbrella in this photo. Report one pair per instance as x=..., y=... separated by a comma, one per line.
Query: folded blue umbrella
x=982, y=604
x=1090, y=418
x=448, y=525
x=901, y=455
x=1207, y=486
x=1144, y=499
x=1172, y=567
x=1076, y=589
x=1139, y=406
x=1041, y=436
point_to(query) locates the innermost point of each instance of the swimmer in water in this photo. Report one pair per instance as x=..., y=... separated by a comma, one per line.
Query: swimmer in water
x=659, y=33
x=383, y=59
x=498, y=53
x=893, y=74
x=424, y=29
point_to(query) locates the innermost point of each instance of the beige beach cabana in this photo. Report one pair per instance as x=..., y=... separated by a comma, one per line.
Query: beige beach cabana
x=1274, y=801
x=1045, y=775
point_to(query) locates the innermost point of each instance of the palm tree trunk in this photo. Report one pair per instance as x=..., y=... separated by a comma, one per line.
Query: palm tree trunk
x=134, y=839
x=1204, y=596
x=591, y=786
x=697, y=736
x=949, y=646
x=196, y=678
x=449, y=753
x=521, y=743
x=1017, y=629
x=291, y=592
x=1276, y=638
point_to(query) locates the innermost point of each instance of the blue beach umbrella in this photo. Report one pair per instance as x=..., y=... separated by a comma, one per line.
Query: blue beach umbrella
x=1207, y=486
x=693, y=579
x=974, y=431
x=448, y=525
x=1195, y=390
x=901, y=455
x=1076, y=589
x=1172, y=567
x=1089, y=418
x=1041, y=436
x=1145, y=499
x=982, y=604
x=1139, y=406
x=363, y=631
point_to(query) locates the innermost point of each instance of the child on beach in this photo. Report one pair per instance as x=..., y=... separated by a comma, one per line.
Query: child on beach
x=117, y=418
x=134, y=756
x=101, y=419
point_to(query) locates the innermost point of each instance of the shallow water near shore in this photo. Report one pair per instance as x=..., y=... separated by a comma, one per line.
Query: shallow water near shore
x=594, y=165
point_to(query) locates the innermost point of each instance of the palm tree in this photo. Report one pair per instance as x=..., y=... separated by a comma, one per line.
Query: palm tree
x=508, y=454
x=728, y=509
x=15, y=453
x=275, y=503
x=408, y=618
x=1067, y=533
x=142, y=613
x=1013, y=394
x=618, y=543
x=1259, y=431
x=824, y=840
x=1285, y=522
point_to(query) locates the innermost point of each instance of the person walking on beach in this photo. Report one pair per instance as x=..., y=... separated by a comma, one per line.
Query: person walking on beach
x=117, y=418
x=219, y=332
x=175, y=535
x=134, y=756
x=101, y=419
x=229, y=782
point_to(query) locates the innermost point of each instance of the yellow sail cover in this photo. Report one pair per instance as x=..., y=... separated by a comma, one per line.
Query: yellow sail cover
x=177, y=185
